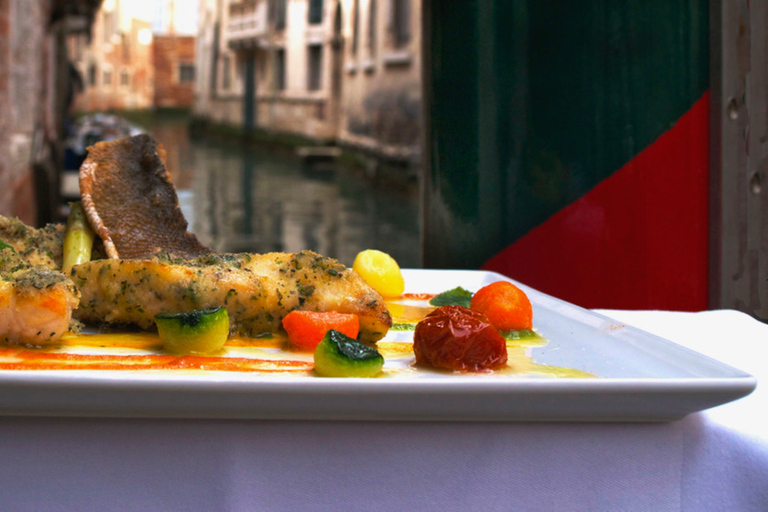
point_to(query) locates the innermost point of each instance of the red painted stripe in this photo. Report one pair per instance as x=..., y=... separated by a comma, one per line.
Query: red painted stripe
x=637, y=240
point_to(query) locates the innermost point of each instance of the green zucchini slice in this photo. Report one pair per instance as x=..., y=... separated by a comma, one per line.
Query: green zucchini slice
x=338, y=355
x=199, y=331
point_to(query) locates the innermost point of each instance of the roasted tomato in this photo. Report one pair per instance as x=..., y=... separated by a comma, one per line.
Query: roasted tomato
x=457, y=338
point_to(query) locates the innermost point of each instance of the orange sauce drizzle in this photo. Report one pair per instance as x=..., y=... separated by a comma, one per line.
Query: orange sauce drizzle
x=408, y=314
x=52, y=358
x=26, y=359
x=417, y=296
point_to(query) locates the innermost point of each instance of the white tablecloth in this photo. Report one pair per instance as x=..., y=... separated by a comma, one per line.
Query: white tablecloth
x=716, y=460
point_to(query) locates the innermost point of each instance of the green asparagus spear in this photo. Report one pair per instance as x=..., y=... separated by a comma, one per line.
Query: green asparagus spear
x=78, y=239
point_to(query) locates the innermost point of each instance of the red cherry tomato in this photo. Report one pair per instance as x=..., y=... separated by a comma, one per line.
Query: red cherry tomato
x=457, y=338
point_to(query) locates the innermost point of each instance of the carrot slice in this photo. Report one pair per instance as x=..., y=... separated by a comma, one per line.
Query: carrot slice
x=306, y=328
x=505, y=305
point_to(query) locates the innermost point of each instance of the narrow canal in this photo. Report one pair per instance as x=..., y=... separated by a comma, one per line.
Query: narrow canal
x=241, y=198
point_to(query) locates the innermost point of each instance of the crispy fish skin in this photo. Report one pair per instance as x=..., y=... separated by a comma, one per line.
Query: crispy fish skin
x=131, y=203
x=257, y=290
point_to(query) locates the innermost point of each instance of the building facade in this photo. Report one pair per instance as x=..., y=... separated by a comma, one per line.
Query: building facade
x=344, y=71
x=125, y=65
x=114, y=63
x=381, y=82
x=173, y=64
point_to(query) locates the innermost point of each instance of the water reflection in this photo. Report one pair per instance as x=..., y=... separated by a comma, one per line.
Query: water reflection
x=240, y=199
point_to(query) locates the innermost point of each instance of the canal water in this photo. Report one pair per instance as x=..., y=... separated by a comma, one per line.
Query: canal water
x=240, y=198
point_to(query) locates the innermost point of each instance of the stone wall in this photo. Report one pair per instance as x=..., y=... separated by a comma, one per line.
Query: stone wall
x=382, y=100
x=301, y=115
x=225, y=110
x=7, y=180
x=23, y=68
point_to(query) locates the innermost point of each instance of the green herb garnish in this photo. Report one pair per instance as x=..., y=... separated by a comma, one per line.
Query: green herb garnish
x=523, y=334
x=524, y=338
x=6, y=245
x=456, y=297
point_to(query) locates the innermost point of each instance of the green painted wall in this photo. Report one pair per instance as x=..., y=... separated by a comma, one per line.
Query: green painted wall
x=529, y=104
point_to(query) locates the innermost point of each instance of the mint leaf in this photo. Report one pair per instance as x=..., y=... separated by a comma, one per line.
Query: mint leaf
x=456, y=297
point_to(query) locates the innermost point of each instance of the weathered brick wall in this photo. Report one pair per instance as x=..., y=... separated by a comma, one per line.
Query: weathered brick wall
x=6, y=180
x=23, y=100
x=168, y=53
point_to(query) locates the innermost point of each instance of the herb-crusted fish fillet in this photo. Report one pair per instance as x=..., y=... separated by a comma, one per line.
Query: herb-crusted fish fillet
x=36, y=302
x=35, y=306
x=35, y=246
x=258, y=290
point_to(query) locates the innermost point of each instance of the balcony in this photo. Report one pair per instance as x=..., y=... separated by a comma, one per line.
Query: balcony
x=247, y=23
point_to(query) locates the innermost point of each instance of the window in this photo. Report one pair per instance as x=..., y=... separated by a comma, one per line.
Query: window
x=315, y=67
x=107, y=78
x=315, y=12
x=126, y=47
x=280, y=69
x=355, y=26
x=124, y=79
x=186, y=73
x=401, y=22
x=226, y=72
x=106, y=25
x=261, y=66
x=372, y=28
x=278, y=13
x=92, y=75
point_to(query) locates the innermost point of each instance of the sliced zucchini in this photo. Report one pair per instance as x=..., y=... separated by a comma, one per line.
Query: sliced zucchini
x=338, y=355
x=199, y=331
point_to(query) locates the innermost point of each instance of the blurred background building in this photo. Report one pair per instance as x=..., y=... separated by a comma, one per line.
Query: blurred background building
x=345, y=72
x=139, y=57
x=609, y=153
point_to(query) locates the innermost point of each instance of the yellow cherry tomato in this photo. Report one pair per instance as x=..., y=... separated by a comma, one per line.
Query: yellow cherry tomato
x=381, y=272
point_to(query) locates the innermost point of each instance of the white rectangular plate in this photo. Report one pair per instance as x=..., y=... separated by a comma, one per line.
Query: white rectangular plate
x=638, y=377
